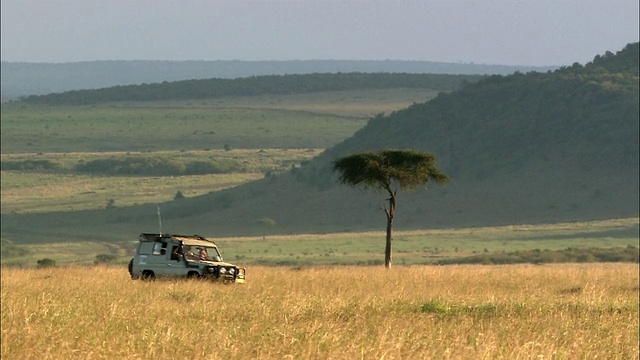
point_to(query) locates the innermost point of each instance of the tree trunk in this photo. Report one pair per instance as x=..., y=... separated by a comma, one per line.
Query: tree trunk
x=390, y=214
x=387, y=250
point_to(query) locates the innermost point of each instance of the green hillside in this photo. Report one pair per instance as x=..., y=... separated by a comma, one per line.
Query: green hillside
x=525, y=148
x=520, y=149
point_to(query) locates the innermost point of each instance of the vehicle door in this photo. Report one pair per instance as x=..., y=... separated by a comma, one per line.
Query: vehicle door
x=157, y=260
x=175, y=263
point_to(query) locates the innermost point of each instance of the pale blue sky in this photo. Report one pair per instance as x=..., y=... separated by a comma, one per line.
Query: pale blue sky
x=508, y=32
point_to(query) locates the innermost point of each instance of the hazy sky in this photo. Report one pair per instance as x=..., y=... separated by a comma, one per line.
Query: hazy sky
x=509, y=32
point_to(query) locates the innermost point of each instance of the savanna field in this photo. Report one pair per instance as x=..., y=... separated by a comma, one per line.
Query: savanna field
x=318, y=289
x=566, y=311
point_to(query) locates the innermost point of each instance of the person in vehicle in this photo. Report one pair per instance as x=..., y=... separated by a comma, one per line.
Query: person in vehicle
x=176, y=253
x=188, y=254
x=203, y=254
x=183, y=252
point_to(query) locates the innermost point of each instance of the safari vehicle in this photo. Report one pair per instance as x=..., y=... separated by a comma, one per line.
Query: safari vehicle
x=188, y=256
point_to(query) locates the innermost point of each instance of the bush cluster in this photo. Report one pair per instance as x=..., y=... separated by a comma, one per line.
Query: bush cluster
x=29, y=165
x=156, y=167
x=44, y=263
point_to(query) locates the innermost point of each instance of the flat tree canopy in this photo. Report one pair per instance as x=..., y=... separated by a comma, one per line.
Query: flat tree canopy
x=409, y=168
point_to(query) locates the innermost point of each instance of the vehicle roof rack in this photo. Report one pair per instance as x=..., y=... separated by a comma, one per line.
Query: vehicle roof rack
x=157, y=237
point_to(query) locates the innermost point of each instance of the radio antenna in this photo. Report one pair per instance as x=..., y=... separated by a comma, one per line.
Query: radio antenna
x=159, y=220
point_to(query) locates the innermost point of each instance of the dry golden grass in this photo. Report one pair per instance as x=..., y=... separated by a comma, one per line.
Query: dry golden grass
x=420, y=312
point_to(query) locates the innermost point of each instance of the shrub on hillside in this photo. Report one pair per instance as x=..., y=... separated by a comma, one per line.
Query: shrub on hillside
x=44, y=263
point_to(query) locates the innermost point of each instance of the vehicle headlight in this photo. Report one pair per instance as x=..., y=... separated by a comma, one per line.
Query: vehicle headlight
x=223, y=271
x=232, y=271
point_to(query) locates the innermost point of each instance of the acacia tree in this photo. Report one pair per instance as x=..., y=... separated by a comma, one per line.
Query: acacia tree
x=387, y=170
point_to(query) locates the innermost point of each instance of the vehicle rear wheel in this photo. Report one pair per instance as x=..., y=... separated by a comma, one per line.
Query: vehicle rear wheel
x=131, y=268
x=148, y=275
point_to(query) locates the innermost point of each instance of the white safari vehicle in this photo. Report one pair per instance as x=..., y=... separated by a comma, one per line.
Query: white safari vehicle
x=188, y=256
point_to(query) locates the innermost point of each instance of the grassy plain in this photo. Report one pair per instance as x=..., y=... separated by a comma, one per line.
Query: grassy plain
x=278, y=132
x=357, y=248
x=266, y=134
x=297, y=121
x=584, y=311
x=65, y=190
x=306, y=307
x=156, y=129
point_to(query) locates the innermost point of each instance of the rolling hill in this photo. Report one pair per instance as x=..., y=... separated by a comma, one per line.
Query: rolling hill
x=206, y=89
x=521, y=149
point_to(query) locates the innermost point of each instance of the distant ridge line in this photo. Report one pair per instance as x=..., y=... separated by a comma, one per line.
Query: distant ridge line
x=23, y=78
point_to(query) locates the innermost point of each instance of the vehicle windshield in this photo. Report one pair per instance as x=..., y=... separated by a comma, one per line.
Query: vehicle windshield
x=206, y=253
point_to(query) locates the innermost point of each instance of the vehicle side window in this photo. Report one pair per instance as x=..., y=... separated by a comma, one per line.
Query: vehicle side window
x=176, y=253
x=159, y=248
x=188, y=253
x=163, y=251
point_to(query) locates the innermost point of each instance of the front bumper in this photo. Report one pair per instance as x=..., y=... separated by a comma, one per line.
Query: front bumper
x=238, y=276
